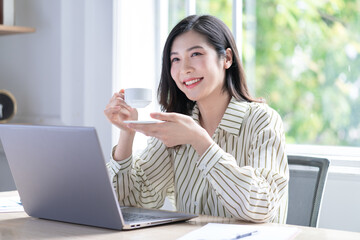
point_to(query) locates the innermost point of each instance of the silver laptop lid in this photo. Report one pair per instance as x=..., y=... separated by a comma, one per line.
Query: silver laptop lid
x=60, y=174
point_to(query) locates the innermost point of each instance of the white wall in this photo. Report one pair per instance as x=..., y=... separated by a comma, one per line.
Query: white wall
x=340, y=207
x=30, y=63
x=62, y=73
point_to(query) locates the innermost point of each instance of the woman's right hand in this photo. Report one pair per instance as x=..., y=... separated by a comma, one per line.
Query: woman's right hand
x=117, y=111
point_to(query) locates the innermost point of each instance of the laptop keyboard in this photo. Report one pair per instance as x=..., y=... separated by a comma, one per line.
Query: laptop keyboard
x=138, y=217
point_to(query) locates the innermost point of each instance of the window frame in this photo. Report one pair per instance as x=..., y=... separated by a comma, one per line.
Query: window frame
x=344, y=160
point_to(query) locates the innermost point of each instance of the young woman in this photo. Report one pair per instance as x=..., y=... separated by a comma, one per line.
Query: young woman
x=219, y=151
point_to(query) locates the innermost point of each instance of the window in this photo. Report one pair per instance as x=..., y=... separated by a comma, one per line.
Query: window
x=302, y=56
x=306, y=63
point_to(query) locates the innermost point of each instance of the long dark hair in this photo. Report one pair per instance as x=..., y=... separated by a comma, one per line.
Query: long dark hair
x=171, y=98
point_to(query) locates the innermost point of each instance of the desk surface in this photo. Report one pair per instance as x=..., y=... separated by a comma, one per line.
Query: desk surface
x=20, y=226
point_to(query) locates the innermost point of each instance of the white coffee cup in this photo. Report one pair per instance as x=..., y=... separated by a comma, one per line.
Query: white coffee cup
x=138, y=97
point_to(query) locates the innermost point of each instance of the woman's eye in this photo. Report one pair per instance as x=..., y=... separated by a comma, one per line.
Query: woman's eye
x=195, y=54
x=174, y=60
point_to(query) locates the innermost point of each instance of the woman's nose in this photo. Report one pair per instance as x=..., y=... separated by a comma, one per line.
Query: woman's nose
x=186, y=67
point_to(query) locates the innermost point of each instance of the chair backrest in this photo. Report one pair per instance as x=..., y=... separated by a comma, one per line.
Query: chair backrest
x=306, y=187
x=6, y=179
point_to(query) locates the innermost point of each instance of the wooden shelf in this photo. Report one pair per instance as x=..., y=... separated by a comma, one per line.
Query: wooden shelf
x=6, y=30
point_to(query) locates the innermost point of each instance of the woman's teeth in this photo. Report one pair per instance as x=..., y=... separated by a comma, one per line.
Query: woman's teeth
x=192, y=81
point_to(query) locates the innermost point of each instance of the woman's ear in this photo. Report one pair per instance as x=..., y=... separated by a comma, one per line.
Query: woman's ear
x=228, y=58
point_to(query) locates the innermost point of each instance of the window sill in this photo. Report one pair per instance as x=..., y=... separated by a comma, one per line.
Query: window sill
x=343, y=160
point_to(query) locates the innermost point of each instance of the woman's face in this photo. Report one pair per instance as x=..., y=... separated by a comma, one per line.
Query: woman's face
x=196, y=68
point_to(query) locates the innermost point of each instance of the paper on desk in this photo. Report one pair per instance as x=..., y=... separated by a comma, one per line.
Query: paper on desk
x=217, y=231
x=10, y=204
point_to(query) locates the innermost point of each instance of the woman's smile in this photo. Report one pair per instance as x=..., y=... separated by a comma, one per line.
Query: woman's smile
x=192, y=82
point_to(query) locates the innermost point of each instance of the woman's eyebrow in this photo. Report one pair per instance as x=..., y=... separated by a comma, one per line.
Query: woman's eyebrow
x=194, y=47
x=188, y=50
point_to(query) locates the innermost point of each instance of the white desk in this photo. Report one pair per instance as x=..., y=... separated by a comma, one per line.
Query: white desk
x=16, y=226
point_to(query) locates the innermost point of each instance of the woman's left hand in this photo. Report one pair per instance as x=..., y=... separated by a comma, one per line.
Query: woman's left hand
x=177, y=129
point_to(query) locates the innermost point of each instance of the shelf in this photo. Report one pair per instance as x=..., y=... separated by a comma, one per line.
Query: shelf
x=6, y=30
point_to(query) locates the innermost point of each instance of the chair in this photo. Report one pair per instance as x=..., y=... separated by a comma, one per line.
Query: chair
x=6, y=179
x=306, y=187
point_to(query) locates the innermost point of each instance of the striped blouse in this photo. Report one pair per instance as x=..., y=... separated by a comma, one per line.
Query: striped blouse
x=243, y=174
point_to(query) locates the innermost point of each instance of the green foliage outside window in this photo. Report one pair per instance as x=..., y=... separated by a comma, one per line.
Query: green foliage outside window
x=308, y=68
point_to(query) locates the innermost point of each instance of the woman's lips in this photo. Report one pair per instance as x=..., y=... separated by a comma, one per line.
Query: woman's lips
x=192, y=82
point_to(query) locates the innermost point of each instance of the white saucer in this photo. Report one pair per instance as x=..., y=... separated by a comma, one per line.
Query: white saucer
x=144, y=122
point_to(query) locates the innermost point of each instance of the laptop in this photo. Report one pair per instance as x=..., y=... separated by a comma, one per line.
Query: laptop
x=60, y=174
